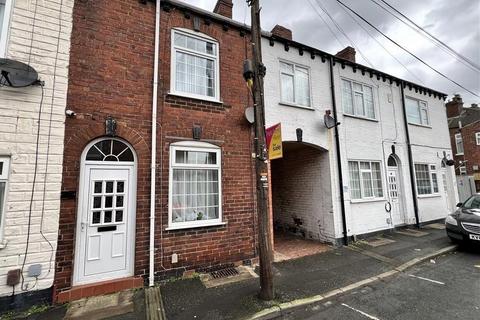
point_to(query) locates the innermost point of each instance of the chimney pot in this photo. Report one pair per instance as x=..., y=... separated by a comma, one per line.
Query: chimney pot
x=454, y=106
x=348, y=54
x=282, y=32
x=224, y=8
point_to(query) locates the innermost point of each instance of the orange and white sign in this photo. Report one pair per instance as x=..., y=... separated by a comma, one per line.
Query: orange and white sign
x=273, y=136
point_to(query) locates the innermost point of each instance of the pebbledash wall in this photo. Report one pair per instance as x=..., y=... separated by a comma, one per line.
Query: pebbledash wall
x=360, y=139
x=111, y=72
x=38, y=33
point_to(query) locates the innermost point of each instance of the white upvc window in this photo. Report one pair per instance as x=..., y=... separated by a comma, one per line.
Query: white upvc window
x=477, y=138
x=195, y=190
x=195, y=65
x=5, y=9
x=365, y=180
x=357, y=99
x=295, y=84
x=462, y=170
x=4, y=172
x=426, y=179
x=417, y=111
x=459, y=143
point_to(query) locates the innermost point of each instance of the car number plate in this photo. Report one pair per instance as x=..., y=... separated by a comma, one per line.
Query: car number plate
x=475, y=237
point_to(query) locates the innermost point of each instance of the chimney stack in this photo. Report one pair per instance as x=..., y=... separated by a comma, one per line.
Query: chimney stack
x=282, y=32
x=348, y=54
x=454, y=106
x=224, y=8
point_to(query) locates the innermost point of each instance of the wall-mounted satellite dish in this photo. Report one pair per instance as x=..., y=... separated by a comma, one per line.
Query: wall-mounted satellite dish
x=329, y=121
x=17, y=74
x=250, y=114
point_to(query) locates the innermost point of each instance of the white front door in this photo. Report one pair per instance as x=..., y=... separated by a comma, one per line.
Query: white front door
x=105, y=236
x=394, y=193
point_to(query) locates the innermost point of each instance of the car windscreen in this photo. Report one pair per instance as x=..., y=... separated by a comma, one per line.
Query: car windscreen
x=472, y=203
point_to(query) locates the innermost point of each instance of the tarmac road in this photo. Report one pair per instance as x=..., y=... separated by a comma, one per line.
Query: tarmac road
x=449, y=288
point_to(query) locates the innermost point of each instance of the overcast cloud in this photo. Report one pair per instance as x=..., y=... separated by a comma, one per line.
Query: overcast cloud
x=457, y=23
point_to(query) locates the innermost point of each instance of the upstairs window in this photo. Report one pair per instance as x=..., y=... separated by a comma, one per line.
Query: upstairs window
x=357, y=99
x=5, y=7
x=295, y=84
x=459, y=143
x=417, y=111
x=477, y=138
x=365, y=180
x=194, y=66
x=426, y=179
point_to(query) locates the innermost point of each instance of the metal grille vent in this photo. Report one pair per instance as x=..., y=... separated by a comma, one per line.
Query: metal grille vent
x=475, y=228
x=224, y=273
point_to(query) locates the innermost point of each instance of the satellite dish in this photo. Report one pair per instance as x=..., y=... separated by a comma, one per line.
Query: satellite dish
x=250, y=114
x=329, y=121
x=16, y=74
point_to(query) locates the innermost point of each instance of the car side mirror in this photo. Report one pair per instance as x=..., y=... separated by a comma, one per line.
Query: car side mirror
x=459, y=204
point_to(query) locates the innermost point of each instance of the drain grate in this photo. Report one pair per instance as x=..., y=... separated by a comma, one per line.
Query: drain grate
x=224, y=273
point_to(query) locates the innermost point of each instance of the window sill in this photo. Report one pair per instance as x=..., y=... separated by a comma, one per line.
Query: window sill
x=367, y=200
x=203, y=225
x=436, y=195
x=193, y=96
x=459, y=154
x=294, y=105
x=359, y=117
x=420, y=125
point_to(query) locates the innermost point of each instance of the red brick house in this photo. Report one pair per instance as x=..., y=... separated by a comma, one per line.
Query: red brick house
x=204, y=195
x=464, y=127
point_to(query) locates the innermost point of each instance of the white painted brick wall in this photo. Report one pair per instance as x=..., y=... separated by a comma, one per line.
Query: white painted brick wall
x=18, y=127
x=362, y=139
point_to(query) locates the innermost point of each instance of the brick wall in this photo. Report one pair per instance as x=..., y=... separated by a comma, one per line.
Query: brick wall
x=301, y=189
x=111, y=73
x=19, y=109
x=470, y=147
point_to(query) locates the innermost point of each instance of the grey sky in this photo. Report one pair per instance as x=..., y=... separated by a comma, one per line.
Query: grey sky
x=456, y=23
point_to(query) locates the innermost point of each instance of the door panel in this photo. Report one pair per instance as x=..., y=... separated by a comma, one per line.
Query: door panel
x=394, y=193
x=107, y=215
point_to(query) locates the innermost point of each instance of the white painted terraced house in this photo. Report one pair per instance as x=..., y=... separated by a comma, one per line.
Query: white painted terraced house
x=389, y=139
x=36, y=33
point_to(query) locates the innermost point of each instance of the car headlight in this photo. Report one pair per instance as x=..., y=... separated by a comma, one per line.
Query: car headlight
x=451, y=220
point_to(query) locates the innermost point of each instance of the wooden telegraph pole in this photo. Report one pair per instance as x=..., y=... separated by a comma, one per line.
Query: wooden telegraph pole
x=265, y=247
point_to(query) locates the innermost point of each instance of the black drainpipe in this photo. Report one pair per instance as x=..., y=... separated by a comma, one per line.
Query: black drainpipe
x=410, y=158
x=339, y=157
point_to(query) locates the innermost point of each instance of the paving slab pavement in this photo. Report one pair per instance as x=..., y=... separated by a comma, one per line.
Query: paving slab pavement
x=300, y=279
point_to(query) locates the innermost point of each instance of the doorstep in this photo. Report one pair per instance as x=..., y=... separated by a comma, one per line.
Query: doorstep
x=98, y=288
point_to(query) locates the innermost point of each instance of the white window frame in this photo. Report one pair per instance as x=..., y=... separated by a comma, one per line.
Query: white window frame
x=216, y=58
x=432, y=170
x=421, y=105
x=200, y=147
x=295, y=66
x=4, y=176
x=458, y=140
x=462, y=170
x=362, y=192
x=5, y=28
x=352, y=82
x=477, y=138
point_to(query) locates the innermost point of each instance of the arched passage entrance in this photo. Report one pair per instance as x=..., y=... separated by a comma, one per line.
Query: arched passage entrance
x=105, y=234
x=301, y=198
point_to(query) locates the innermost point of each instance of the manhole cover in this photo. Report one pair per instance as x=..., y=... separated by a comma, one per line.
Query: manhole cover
x=223, y=273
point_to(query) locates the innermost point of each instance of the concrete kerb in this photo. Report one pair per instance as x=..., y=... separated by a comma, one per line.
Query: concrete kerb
x=278, y=310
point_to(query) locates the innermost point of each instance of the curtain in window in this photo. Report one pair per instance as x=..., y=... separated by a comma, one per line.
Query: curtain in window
x=459, y=143
x=302, y=89
x=368, y=93
x=355, y=190
x=2, y=198
x=287, y=88
x=347, y=97
x=194, y=74
x=413, y=113
x=366, y=179
x=422, y=177
x=377, y=180
x=2, y=13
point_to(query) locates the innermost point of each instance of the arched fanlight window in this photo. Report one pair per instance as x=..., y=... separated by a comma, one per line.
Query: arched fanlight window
x=392, y=162
x=110, y=150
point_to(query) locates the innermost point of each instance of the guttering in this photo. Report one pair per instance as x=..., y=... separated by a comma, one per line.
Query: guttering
x=339, y=156
x=410, y=157
x=151, y=274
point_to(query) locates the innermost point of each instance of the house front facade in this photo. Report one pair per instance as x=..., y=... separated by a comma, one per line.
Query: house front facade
x=31, y=147
x=387, y=166
x=464, y=126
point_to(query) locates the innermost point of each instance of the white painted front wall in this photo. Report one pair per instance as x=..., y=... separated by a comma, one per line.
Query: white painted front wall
x=18, y=124
x=362, y=139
